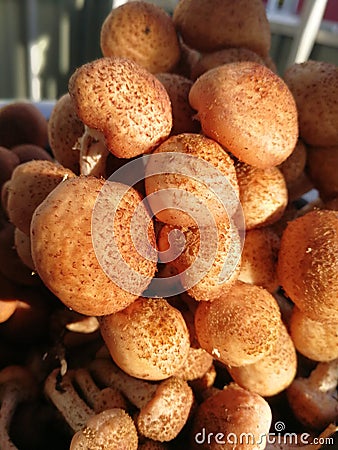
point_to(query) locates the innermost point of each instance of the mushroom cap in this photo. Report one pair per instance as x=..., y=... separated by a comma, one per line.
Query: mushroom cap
x=8, y=162
x=64, y=130
x=63, y=251
x=205, y=159
x=322, y=163
x=31, y=182
x=227, y=55
x=273, y=373
x=229, y=97
x=259, y=258
x=112, y=429
x=209, y=26
x=314, y=85
x=263, y=194
x=234, y=418
x=22, y=123
x=293, y=167
x=239, y=327
x=148, y=339
x=27, y=152
x=178, y=88
x=308, y=263
x=142, y=32
x=123, y=101
x=164, y=416
x=316, y=340
x=22, y=244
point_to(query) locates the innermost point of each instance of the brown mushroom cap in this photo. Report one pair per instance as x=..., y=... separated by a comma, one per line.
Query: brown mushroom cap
x=64, y=130
x=63, y=252
x=322, y=163
x=149, y=339
x=263, y=195
x=142, y=32
x=8, y=162
x=27, y=152
x=178, y=88
x=204, y=158
x=293, y=167
x=239, y=327
x=209, y=26
x=271, y=374
x=259, y=258
x=22, y=244
x=308, y=263
x=229, y=97
x=314, y=85
x=112, y=429
x=31, y=182
x=227, y=55
x=315, y=340
x=22, y=123
x=231, y=418
x=123, y=101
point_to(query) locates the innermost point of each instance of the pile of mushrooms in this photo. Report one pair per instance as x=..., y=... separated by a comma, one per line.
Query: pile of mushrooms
x=91, y=226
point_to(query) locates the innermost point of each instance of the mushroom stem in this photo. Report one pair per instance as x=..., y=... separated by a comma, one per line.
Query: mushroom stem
x=93, y=153
x=16, y=386
x=138, y=392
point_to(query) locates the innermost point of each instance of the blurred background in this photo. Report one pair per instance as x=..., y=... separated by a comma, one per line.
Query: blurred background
x=43, y=41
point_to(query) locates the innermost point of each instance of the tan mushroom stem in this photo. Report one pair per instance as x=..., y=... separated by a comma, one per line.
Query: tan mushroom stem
x=77, y=396
x=16, y=386
x=164, y=407
x=314, y=399
x=93, y=153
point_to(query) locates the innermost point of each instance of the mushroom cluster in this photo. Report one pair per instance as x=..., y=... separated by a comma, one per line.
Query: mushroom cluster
x=161, y=284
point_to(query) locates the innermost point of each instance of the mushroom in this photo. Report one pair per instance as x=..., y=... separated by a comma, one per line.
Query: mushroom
x=17, y=385
x=72, y=237
x=22, y=244
x=231, y=418
x=293, y=167
x=308, y=263
x=112, y=429
x=31, y=182
x=64, y=130
x=241, y=326
x=271, y=374
x=28, y=152
x=124, y=102
x=322, y=165
x=8, y=162
x=63, y=389
x=22, y=123
x=163, y=407
x=143, y=32
x=312, y=338
x=148, y=339
x=313, y=400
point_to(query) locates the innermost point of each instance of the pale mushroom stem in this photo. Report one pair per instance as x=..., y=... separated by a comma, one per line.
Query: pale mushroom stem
x=93, y=153
x=138, y=392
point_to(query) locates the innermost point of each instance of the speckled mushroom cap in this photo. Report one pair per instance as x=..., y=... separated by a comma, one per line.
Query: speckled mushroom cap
x=226, y=416
x=30, y=184
x=322, y=164
x=112, y=429
x=149, y=339
x=293, y=167
x=316, y=340
x=211, y=60
x=63, y=252
x=64, y=130
x=178, y=88
x=263, y=194
x=22, y=123
x=123, y=101
x=314, y=85
x=308, y=263
x=249, y=110
x=271, y=374
x=142, y=32
x=239, y=327
x=208, y=26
